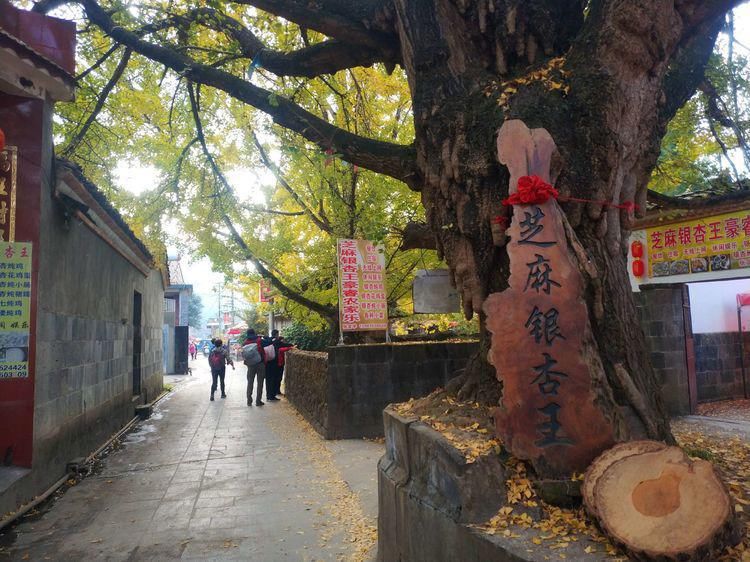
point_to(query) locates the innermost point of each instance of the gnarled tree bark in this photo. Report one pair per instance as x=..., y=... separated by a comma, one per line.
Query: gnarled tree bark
x=603, y=77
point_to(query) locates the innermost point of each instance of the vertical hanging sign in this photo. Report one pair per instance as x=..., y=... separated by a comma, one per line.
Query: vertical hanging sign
x=8, y=167
x=15, y=309
x=362, y=300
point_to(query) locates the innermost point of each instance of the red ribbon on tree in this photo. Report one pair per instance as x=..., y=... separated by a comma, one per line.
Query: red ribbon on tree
x=534, y=190
x=531, y=189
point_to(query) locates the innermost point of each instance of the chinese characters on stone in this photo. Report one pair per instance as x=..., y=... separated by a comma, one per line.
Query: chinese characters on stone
x=543, y=327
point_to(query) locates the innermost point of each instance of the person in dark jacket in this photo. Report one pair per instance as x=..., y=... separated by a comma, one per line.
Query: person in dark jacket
x=275, y=367
x=258, y=370
x=218, y=360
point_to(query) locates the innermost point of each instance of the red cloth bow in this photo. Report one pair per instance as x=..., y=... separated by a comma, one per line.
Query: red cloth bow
x=531, y=189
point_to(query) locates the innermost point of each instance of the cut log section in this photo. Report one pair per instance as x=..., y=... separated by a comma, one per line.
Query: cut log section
x=607, y=459
x=662, y=504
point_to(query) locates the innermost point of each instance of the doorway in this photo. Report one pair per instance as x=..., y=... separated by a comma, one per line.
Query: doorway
x=137, y=342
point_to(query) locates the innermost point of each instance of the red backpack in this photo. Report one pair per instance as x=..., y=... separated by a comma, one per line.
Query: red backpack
x=216, y=359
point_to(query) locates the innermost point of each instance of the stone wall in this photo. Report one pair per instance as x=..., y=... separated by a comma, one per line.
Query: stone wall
x=364, y=379
x=84, y=356
x=305, y=386
x=718, y=368
x=84, y=371
x=346, y=401
x=662, y=320
x=431, y=499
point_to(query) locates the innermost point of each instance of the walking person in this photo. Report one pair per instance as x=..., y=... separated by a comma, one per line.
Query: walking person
x=218, y=360
x=255, y=357
x=193, y=350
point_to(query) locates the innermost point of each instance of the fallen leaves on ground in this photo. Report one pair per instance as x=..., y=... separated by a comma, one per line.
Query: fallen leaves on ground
x=467, y=425
x=731, y=454
x=556, y=528
x=738, y=410
x=343, y=511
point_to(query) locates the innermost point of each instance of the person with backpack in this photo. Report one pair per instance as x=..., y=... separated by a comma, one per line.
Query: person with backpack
x=218, y=360
x=256, y=352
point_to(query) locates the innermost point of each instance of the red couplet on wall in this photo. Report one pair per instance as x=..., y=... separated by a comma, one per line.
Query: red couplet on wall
x=22, y=121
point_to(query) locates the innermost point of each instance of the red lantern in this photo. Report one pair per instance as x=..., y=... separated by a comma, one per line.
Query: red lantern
x=2, y=140
x=636, y=249
x=638, y=268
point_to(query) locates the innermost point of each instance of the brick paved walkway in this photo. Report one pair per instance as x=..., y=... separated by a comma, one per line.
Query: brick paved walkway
x=216, y=481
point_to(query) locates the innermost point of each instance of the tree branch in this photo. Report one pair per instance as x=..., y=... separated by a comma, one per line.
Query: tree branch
x=390, y=159
x=717, y=110
x=323, y=58
x=326, y=311
x=669, y=202
x=723, y=146
x=114, y=79
x=688, y=67
x=322, y=224
x=101, y=60
x=256, y=209
x=417, y=235
x=327, y=21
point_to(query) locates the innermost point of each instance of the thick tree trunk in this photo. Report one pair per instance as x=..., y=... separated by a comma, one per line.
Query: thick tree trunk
x=606, y=110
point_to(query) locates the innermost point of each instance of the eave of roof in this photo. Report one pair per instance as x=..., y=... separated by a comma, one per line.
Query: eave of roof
x=47, y=69
x=66, y=165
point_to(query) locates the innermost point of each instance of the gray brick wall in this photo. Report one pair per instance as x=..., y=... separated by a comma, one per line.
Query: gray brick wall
x=84, y=359
x=660, y=310
x=306, y=385
x=718, y=368
x=343, y=395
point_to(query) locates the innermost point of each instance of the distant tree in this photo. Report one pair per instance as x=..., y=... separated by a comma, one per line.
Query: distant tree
x=255, y=319
x=195, y=312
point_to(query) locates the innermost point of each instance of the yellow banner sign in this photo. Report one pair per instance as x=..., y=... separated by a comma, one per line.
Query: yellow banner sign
x=716, y=243
x=362, y=299
x=15, y=309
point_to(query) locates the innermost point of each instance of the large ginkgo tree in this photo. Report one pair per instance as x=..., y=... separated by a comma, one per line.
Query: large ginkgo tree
x=604, y=77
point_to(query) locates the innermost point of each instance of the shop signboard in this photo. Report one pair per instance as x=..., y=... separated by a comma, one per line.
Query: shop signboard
x=265, y=291
x=15, y=309
x=362, y=297
x=710, y=244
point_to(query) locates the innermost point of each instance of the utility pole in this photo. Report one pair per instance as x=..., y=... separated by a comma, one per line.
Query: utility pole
x=217, y=289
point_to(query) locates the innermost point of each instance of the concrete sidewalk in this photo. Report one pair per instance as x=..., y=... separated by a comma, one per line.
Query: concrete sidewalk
x=216, y=480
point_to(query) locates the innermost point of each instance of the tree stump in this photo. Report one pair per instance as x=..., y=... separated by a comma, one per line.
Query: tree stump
x=607, y=459
x=662, y=504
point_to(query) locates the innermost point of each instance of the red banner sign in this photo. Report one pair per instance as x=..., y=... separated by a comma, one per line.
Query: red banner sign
x=362, y=298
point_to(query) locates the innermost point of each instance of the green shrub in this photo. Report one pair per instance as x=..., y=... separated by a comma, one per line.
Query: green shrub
x=306, y=339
